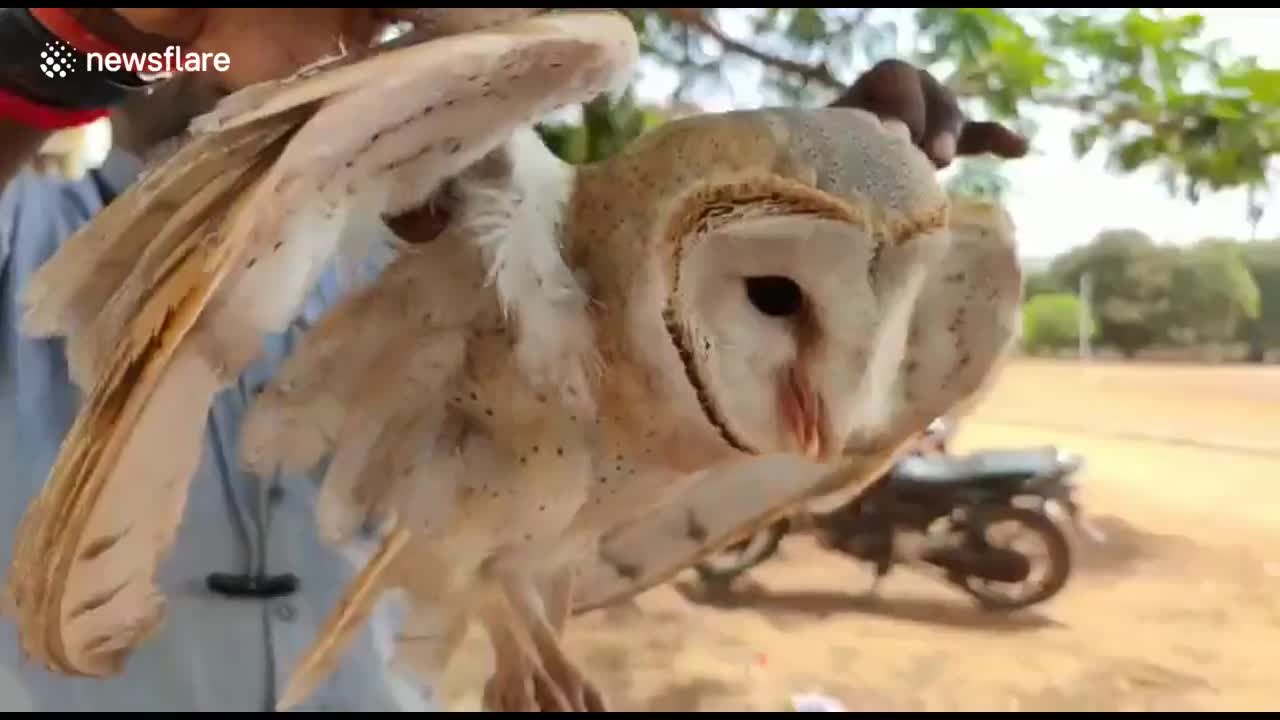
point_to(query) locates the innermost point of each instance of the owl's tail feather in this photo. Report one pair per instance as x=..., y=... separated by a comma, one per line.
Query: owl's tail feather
x=344, y=622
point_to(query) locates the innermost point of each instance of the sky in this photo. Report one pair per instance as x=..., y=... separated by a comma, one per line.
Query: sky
x=1058, y=201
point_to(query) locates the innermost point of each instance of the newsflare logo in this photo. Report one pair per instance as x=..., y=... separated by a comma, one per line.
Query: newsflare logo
x=57, y=60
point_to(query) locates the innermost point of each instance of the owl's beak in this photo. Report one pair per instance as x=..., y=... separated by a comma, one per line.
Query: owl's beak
x=805, y=413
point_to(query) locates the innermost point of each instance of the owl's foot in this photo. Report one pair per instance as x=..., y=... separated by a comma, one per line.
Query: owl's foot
x=531, y=671
x=581, y=694
x=519, y=684
x=522, y=684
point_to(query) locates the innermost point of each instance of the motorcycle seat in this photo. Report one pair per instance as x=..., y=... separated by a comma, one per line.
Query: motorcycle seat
x=986, y=466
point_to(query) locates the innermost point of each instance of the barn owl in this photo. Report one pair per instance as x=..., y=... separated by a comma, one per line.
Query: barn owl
x=752, y=278
x=909, y=329
x=555, y=352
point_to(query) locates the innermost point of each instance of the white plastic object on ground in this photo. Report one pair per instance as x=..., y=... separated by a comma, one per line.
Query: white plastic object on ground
x=816, y=702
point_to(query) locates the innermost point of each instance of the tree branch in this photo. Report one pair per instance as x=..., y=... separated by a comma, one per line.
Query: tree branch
x=693, y=18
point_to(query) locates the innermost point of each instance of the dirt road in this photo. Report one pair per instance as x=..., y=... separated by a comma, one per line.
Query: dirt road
x=1179, y=609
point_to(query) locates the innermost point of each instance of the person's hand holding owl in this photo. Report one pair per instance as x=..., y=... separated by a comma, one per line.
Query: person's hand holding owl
x=898, y=90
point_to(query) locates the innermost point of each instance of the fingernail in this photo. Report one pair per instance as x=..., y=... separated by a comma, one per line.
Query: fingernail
x=943, y=148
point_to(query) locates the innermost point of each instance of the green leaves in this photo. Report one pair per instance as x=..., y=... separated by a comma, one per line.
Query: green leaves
x=606, y=127
x=1131, y=280
x=1146, y=294
x=1163, y=96
x=994, y=57
x=1212, y=295
x=1053, y=321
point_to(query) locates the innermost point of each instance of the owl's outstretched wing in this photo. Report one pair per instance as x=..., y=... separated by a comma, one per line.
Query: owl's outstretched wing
x=366, y=386
x=218, y=247
x=963, y=324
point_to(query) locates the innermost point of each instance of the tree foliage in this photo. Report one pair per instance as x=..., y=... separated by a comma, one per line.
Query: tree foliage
x=1051, y=321
x=1131, y=278
x=1144, y=294
x=1212, y=296
x=1041, y=283
x=1146, y=83
x=604, y=127
x=1262, y=258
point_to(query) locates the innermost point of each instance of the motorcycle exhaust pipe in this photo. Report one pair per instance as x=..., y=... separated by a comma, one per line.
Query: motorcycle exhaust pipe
x=995, y=564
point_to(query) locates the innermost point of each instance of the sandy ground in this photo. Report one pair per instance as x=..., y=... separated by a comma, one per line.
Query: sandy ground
x=1179, y=608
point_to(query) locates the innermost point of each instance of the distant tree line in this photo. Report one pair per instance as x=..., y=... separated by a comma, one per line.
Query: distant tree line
x=1145, y=295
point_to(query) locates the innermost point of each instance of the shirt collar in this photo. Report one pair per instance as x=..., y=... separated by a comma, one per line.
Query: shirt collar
x=120, y=169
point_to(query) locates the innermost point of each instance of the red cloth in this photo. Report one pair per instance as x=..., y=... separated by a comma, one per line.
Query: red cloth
x=26, y=112
x=21, y=110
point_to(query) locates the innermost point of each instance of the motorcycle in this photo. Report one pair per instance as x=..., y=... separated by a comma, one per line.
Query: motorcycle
x=942, y=513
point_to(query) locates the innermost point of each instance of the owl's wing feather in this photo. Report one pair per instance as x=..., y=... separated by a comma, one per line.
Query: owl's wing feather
x=428, y=291
x=75, y=284
x=434, y=624
x=81, y=580
x=345, y=621
x=86, y=549
x=341, y=73
x=412, y=326
x=384, y=435
x=720, y=506
x=962, y=326
x=136, y=265
x=70, y=290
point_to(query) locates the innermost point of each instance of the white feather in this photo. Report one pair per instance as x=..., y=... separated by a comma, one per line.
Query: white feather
x=518, y=228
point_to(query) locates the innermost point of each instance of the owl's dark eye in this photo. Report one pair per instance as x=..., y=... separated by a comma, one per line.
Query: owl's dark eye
x=774, y=295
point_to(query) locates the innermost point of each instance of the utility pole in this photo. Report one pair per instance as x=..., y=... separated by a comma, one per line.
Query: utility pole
x=1083, y=320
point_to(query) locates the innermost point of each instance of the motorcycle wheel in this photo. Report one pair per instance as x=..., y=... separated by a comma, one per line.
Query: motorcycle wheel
x=1028, y=592
x=727, y=564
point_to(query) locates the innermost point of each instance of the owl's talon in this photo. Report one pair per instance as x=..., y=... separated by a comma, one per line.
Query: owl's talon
x=520, y=684
x=503, y=694
x=572, y=690
x=509, y=689
x=592, y=699
x=582, y=694
x=549, y=697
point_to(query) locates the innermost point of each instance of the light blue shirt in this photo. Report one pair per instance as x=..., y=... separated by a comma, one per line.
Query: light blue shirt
x=213, y=653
